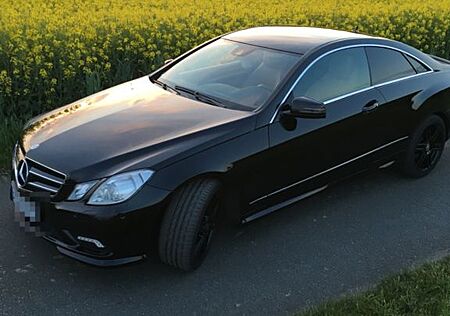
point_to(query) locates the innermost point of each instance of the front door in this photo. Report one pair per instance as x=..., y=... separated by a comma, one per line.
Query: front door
x=307, y=153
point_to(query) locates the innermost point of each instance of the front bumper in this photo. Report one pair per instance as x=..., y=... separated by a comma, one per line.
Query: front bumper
x=98, y=235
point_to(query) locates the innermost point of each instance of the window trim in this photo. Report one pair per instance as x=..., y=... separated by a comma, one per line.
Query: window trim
x=375, y=86
x=430, y=69
x=409, y=61
x=403, y=56
x=366, y=60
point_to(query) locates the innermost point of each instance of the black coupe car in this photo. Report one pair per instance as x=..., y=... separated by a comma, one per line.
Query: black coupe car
x=240, y=126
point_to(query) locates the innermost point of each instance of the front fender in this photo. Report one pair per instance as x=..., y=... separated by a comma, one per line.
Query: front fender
x=229, y=160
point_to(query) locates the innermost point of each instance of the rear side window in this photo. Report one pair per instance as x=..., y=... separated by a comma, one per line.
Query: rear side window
x=418, y=66
x=335, y=75
x=387, y=64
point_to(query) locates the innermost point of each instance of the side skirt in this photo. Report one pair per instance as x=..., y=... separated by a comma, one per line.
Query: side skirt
x=278, y=206
x=386, y=165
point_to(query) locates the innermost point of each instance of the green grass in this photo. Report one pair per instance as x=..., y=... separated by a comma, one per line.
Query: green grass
x=422, y=291
x=10, y=128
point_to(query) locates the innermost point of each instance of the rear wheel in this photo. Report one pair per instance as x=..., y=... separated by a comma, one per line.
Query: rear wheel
x=189, y=223
x=425, y=147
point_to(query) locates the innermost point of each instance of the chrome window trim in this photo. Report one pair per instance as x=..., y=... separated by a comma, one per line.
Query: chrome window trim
x=430, y=69
x=327, y=170
x=374, y=86
x=348, y=95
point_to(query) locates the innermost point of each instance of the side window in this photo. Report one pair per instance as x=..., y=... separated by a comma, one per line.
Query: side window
x=387, y=64
x=418, y=66
x=334, y=75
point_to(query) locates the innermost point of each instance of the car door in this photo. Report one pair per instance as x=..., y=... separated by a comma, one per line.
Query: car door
x=307, y=153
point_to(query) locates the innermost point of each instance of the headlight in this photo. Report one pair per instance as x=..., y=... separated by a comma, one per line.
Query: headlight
x=119, y=187
x=80, y=190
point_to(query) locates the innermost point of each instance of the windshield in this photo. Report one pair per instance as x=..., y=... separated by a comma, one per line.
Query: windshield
x=232, y=72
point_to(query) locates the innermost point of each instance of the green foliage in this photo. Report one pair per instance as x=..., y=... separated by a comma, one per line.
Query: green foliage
x=10, y=128
x=53, y=52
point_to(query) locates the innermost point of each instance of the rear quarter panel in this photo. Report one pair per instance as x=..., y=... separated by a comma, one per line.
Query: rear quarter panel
x=412, y=100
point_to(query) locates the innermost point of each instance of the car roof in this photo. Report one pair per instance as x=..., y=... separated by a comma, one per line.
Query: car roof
x=294, y=39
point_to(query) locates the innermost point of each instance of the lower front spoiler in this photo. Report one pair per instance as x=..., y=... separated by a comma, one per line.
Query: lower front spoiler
x=100, y=236
x=62, y=248
x=99, y=262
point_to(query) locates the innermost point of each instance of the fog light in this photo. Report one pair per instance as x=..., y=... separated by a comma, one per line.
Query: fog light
x=92, y=241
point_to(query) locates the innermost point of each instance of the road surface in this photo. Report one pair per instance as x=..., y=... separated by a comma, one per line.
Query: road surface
x=341, y=240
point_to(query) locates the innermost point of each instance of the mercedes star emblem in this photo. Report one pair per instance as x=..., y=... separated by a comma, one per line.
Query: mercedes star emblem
x=22, y=173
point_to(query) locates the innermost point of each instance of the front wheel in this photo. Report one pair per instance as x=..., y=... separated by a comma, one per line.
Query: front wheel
x=188, y=225
x=425, y=148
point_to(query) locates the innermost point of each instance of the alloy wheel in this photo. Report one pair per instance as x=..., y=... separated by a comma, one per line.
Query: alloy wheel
x=429, y=148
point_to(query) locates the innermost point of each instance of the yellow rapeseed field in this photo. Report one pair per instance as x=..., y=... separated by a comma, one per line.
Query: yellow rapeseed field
x=55, y=51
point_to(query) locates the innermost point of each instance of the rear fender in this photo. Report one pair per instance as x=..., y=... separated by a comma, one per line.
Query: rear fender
x=436, y=93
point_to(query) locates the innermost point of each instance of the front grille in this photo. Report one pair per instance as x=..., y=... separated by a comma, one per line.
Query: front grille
x=41, y=178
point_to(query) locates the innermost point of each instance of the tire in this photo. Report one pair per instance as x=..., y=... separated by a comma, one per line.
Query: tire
x=425, y=147
x=188, y=225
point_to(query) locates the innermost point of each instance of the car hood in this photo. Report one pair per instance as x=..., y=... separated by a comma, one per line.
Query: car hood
x=133, y=124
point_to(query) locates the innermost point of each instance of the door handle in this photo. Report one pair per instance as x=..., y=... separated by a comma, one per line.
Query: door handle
x=371, y=106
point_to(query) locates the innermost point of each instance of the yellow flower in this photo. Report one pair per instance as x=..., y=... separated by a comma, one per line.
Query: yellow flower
x=46, y=51
x=43, y=73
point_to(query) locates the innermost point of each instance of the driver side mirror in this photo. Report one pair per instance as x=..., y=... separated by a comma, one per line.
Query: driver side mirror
x=305, y=107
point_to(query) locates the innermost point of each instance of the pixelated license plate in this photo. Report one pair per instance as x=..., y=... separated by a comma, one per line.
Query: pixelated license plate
x=28, y=210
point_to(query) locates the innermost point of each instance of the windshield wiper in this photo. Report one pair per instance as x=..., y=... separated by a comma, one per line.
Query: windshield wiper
x=206, y=98
x=163, y=85
x=201, y=96
x=180, y=88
